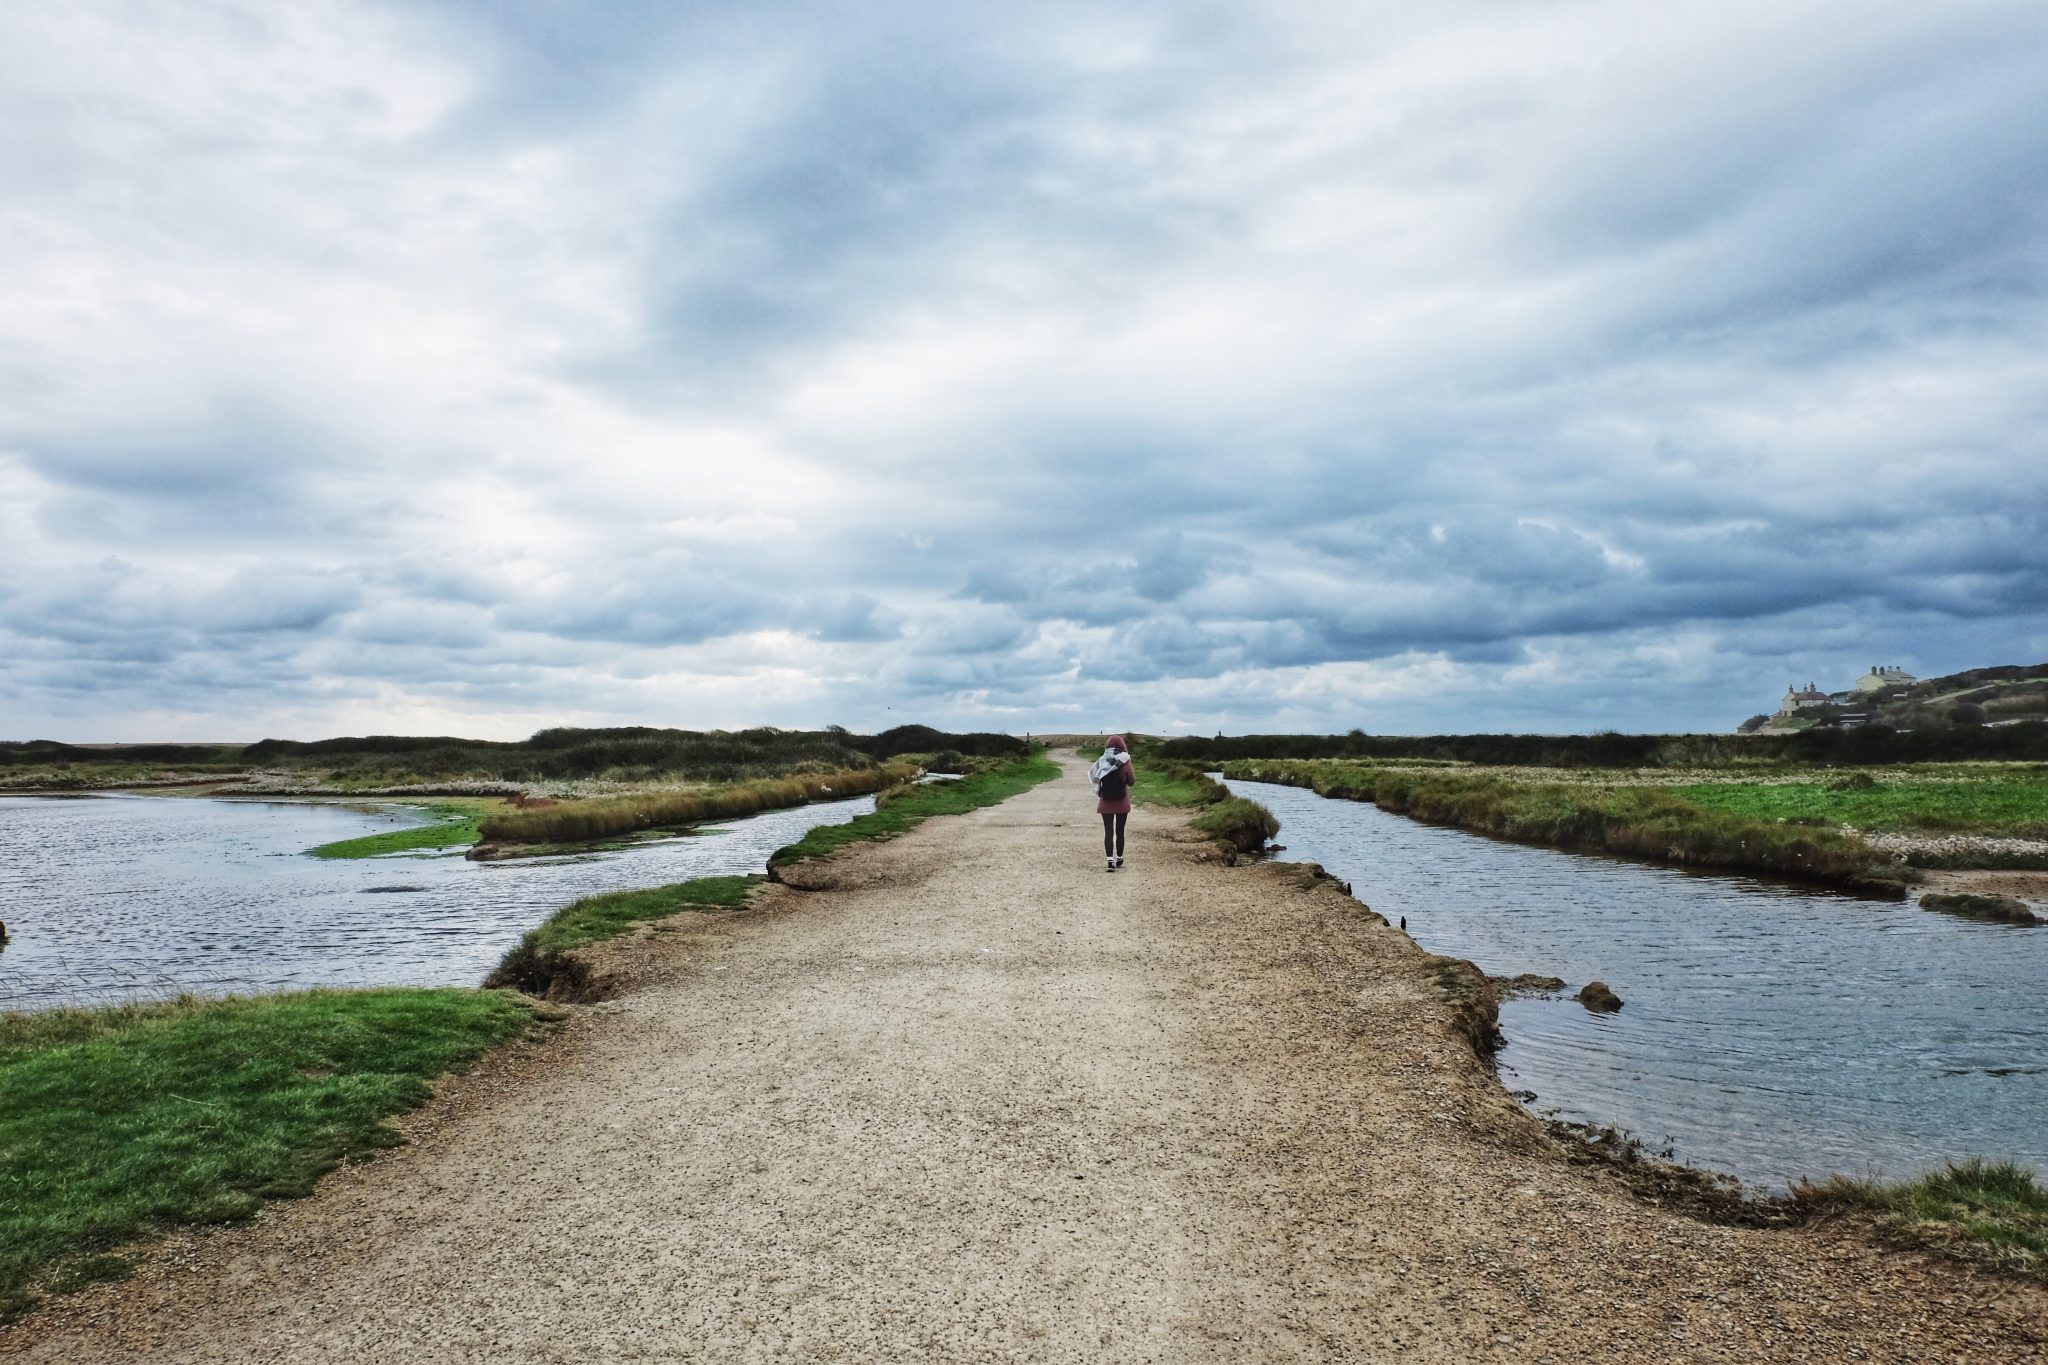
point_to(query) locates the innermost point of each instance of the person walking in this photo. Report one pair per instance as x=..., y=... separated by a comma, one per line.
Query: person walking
x=1113, y=776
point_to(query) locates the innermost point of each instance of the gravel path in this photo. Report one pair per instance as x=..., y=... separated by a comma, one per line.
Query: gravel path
x=970, y=1098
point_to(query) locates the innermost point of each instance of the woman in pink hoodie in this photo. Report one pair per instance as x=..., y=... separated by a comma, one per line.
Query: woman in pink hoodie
x=1113, y=776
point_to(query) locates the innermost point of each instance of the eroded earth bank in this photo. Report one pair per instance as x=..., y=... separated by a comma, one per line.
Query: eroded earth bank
x=965, y=1096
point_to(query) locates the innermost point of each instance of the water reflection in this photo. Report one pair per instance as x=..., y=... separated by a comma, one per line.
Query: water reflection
x=123, y=897
x=1770, y=1030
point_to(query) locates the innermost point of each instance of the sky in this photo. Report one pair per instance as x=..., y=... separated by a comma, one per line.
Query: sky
x=475, y=367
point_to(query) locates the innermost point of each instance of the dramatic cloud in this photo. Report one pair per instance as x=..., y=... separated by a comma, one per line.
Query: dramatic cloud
x=478, y=367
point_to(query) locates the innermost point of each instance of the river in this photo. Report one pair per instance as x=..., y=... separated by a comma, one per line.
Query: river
x=114, y=898
x=1772, y=1031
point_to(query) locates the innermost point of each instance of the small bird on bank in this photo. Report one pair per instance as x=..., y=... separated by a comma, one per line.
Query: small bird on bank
x=1404, y=924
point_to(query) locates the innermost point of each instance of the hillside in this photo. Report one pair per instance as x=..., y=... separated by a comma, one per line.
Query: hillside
x=2001, y=694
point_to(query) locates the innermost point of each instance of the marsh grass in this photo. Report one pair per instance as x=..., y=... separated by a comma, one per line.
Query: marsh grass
x=2012, y=803
x=908, y=806
x=457, y=826
x=89, y=776
x=1243, y=824
x=1181, y=785
x=582, y=821
x=122, y=1120
x=543, y=963
x=1995, y=1212
x=633, y=755
x=1634, y=821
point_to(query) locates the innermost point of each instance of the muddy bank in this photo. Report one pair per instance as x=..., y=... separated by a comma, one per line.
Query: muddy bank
x=2028, y=886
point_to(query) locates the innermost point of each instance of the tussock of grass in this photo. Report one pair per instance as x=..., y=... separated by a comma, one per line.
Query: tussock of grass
x=122, y=1120
x=575, y=821
x=543, y=963
x=1635, y=821
x=1990, y=1211
x=1243, y=824
x=905, y=808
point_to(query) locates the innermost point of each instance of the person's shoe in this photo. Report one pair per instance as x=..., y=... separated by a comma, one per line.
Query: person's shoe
x=1109, y=864
x=1119, y=862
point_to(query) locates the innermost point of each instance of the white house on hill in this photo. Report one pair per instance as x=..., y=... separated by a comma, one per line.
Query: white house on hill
x=1883, y=676
x=1797, y=698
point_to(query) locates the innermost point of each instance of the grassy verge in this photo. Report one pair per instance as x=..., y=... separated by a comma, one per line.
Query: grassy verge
x=544, y=962
x=2012, y=803
x=1634, y=821
x=906, y=807
x=124, y=1120
x=1994, y=1212
x=1180, y=785
x=456, y=825
x=574, y=821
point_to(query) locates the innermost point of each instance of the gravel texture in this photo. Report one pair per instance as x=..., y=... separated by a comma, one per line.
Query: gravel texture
x=968, y=1097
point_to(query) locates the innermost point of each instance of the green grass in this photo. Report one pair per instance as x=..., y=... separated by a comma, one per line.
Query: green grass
x=456, y=826
x=1243, y=824
x=1990, y=1211
x=595, y=918
x=124, y=1120
x=1180, y=785
x=543, y=963
x=2013, y=803
x=1639, y=821
x=907, y=807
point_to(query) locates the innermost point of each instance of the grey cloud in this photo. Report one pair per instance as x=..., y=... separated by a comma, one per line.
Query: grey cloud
x=1146, y=361
x=665, y=613
x=846, y=618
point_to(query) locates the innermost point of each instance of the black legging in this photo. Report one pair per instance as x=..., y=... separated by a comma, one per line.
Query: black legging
x=1113, y=833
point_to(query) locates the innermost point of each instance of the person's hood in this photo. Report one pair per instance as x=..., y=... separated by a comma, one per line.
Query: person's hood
x=1117, y=742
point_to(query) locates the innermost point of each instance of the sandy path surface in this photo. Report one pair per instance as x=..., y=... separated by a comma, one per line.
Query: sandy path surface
x=971, y=1098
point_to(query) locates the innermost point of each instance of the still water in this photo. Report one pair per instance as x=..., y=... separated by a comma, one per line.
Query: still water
x=122, y=897
x=1771, y=1031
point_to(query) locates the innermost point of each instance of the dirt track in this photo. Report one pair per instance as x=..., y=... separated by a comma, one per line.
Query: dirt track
x=971, y=1098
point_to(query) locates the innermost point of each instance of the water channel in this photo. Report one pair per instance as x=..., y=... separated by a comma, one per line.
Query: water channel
x=1770, y=1030
x=114, y=898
